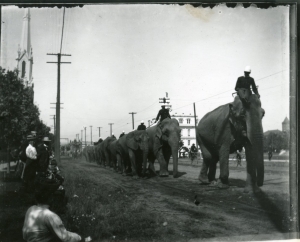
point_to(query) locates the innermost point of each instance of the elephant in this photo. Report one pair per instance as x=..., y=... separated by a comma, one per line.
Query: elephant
x=97, y=151
x=105, y=152
x=132, y=152
x=227, y=129
x=113, y=153
x=89, y=153
x=163, y=142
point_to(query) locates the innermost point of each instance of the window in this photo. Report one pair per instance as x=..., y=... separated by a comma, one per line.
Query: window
x=23, y=69
x=189, y=132
x=189, y=142
x=188, y=121
x=180, y=120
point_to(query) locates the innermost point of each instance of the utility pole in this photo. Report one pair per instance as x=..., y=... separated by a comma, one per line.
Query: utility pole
x=54, y=124
x=148, y=123
x=85, y=136
x=59, y=55
x=132, y=119
x=165, y=101
x=110, y=128
x=91, y=134
x=99, y=131
x=195, y=125
x=81, y=135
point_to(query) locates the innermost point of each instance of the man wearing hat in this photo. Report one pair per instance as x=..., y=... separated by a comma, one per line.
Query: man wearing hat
x=31, y=163
x=44, y=153
x=244, y=83
x=163, y=113
x=141, y=126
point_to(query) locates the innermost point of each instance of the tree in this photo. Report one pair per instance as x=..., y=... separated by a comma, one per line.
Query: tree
x=18, y=114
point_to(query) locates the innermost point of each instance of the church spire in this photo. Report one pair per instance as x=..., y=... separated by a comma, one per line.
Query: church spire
x=25, y=57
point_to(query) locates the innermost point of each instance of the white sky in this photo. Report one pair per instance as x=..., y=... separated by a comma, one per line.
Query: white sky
x=126, y=57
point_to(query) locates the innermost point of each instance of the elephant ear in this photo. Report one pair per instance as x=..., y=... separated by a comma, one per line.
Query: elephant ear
x=133, y=139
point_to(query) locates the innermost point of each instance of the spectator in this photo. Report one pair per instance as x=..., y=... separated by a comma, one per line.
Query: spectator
x=31, y=164
x=40, y=223
x=44, y=154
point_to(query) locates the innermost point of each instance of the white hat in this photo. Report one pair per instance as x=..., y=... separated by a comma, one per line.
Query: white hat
x=142, y=121
x=123, y=131
x=45, y=139
x=247, y=69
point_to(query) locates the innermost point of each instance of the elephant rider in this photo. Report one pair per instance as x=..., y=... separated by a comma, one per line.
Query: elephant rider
x=113, y=136
x=243, y=85
x=123, y=133
x=163, y=113
x=31, y=164
x=141, y=126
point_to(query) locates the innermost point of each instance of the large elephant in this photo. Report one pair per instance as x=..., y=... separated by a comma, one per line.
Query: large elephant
x=229, y=128
x=113, y=154
x=132, y=152
x=105, y=151
x=163, y=142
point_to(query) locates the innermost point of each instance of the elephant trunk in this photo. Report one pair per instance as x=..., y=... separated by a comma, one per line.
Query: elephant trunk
x=254, y=153
x=174, y=150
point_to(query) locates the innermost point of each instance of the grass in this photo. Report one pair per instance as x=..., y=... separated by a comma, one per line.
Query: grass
x=104, y=212
x=98, y=210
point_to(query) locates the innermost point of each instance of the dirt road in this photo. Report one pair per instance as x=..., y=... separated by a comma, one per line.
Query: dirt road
x=221, y=215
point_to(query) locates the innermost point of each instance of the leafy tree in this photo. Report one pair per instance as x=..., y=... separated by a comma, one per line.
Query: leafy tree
x=18, y=114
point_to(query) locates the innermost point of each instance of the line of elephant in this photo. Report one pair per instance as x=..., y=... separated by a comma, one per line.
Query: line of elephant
x=219, y=133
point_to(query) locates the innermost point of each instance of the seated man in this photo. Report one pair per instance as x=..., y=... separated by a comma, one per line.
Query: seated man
x=194, y=148
x=163, y=113
x=141, y=126
x=243, y=85
x=40, y=223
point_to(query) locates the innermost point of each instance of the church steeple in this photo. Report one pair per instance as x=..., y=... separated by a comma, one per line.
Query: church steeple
x=25, y=57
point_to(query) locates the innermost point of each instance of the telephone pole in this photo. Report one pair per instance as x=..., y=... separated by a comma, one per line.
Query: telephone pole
x=81, y=135
x=54, y=124
x=132, y=119
x=148, y=123
x=195, y=125
x=99, y=131
x=85, y=136
x=91, y=134
x=110, y=128
x=59, y=55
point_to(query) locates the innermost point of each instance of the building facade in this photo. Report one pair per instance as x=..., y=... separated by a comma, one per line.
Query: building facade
x=187, y=125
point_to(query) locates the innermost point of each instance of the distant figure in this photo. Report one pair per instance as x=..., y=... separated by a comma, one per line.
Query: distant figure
x=113, y=136
x=270, y=152
x=141, y=126
x=163, y=113
x=243, y=85
x=238, y=158
x=122, y=134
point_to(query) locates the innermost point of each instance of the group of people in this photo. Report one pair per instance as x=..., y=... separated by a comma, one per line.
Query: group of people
x=41, y=176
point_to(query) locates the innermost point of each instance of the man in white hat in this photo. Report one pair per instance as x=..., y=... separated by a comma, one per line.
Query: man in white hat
x=244, y=83
x=141, y=126
x=31, y=163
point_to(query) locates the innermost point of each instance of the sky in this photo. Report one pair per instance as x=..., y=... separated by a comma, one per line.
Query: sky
x=125, y=57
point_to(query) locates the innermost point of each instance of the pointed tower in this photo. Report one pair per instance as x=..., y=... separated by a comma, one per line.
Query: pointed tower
x=25, y=57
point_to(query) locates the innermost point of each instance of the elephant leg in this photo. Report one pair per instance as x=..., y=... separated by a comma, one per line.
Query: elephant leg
x=224, y=164
x=212, y=170
x=167, y=154
x=133, y=163
x=120, y=165
x=207, y=159
x=163, y=165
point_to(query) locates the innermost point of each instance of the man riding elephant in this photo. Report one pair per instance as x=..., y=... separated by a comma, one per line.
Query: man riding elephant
x=244, y=83
x=229, y=128
x=164, y=143
x=163, y=114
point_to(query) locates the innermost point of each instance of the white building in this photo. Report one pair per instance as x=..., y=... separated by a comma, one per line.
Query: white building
x=187, y=125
